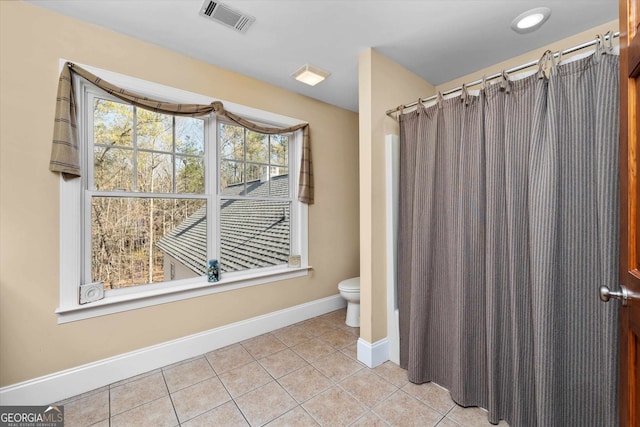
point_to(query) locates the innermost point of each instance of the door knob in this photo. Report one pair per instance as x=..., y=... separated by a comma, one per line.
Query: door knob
x=624, y=295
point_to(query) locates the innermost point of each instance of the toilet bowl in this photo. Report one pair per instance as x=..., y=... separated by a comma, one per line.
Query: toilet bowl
x=350, y=291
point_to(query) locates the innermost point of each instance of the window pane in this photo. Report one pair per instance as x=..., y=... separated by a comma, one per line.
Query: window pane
x=189, y=175
x=257, y=147
x=135, y=241
x=113, y=169
x=189, y=135
x=155, y=172
x=112, y=123
x=280, y=150
x=232, y=178
x=279, y=182
x=254, y=172
x=231, y=142
x=253, y=234
x=257, y=180
x=154, y=130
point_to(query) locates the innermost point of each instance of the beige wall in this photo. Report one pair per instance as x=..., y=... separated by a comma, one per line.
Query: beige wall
x=32, y=344
x=383, y=84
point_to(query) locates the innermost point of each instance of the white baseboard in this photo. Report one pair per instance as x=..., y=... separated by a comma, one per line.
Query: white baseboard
x=71, y=382
x=374, y=354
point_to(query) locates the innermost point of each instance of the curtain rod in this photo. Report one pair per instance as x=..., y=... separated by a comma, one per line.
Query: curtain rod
x=608, y=36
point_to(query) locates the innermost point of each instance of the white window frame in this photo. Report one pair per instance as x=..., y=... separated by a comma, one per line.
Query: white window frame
x=88, y=93
x=72, y=253
x=295, y=146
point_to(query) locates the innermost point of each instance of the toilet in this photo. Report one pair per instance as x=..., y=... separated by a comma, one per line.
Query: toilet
x=350, y=291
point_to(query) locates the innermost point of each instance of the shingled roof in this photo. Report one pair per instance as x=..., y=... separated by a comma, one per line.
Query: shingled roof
x=253, y=233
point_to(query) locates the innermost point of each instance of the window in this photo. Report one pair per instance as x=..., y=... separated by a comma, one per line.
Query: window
x=145, y=177
x=255, y=198
x=160, y=195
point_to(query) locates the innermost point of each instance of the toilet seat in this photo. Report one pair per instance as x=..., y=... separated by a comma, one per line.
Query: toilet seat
x=350, y=285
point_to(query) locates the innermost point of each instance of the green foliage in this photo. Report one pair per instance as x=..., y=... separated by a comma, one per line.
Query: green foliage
x=190, y=176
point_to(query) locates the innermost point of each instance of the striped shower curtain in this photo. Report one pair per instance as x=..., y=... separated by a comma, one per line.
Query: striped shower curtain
x=508, y=226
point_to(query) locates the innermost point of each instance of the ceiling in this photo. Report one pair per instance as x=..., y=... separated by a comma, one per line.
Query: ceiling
x=438, y=40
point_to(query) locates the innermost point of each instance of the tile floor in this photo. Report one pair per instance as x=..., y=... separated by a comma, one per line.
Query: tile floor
x=302, y=375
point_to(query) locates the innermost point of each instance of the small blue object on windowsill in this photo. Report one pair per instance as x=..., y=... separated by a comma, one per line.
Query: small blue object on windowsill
x=213, y=270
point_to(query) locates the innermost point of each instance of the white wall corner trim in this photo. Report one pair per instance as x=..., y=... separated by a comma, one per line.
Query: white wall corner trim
x=61, y=385
x=392, y=151
x=374, y=354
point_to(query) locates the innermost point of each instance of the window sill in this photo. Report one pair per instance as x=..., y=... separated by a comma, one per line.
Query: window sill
x=186, y=289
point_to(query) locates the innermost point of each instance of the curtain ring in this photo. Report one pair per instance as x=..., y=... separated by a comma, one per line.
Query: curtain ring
x=555, y=62
x=505, y=86
x=553, y=68
x=464, y=94
x=440, y=99
x=484, y=82
x=608, y=38
x=543, y=63
x=557, y=58
x=599, y=48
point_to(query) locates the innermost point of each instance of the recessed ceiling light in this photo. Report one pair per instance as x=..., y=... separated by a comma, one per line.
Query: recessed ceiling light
x=530, y=20
x=310, y=75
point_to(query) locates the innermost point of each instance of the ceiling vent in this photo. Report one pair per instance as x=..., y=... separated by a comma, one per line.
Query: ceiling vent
x=225, y=15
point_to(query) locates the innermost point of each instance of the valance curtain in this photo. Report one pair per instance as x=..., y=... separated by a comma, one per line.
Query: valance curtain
x=64, y=152
x=508, y=225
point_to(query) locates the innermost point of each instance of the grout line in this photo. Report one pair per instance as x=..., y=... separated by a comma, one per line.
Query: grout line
x=211, y=366
x=200, y=380
x=175, y=412
x=439, y=421
x=453, y=407
x=311, y=415
x=109, y=403
x=370, y=411
x=307, y=412
x=132, y=407
x=292, y=398
x=234, y=369
x=240, y=410
x=310, y=336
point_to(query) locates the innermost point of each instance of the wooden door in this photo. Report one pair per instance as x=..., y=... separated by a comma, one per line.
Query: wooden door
x=629, y=212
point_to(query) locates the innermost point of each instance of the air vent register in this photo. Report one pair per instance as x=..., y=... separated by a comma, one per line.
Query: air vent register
x=225, y=15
